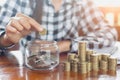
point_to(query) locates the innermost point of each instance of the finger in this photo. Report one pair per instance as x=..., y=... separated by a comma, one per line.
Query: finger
x=16, y=24
x=26, y=32
x=11, y=29
x=12, y=34
x=25, y=23
x=22, y=22
x=33, y=23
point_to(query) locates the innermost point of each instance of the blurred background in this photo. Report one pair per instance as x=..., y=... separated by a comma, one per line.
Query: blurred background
x=111, y=10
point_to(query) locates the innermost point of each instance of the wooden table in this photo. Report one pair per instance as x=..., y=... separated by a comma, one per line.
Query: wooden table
x=10, y=70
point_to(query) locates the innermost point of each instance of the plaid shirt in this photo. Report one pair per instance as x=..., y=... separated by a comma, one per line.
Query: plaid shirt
x=64, y=24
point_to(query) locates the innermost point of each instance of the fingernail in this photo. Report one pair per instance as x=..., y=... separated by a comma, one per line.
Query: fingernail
x=41, y=29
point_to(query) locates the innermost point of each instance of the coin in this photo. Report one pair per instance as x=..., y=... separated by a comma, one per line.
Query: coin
x=44, y=32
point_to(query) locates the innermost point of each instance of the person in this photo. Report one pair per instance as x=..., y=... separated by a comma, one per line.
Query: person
x=63, y=20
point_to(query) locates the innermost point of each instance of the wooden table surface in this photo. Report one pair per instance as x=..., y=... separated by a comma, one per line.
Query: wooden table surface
x=10, y=70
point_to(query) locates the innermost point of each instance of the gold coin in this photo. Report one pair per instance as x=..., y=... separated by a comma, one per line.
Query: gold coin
x=44, y=32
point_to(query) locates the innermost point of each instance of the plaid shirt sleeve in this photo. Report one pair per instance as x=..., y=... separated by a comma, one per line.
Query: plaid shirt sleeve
x=97, y=32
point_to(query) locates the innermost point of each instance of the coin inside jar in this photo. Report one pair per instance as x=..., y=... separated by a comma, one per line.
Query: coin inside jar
x=44, y=32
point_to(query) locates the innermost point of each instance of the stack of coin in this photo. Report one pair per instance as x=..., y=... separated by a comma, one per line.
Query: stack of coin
x=95, y=66
x=105, y=56
x=94, y=58
x=103, y=65
x=89, y=66
x=88, y=53
x=82, y=51
x=112, y=63
x=74, y=67
x=67, y=66
x=99, y=56
x=71, y=56
x=82, y=67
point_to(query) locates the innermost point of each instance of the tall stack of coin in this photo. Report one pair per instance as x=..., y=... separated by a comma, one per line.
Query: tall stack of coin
x=103, y=65
x=82, y=67
x=94, y=58
x=82, y=51
x=88, y=53
x=112, y=63
x=67, y=66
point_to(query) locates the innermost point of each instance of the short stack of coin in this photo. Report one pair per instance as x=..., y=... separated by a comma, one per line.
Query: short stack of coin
x=89, y=66
x=67, y=66
x=104, y=62
x=103, y=65
x=88, y=53
x=95, y=62
x=74, y=66
x=112, y=63
x=105, y=56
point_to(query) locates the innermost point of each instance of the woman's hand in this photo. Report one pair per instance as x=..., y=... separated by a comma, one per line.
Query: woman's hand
x=20, y=26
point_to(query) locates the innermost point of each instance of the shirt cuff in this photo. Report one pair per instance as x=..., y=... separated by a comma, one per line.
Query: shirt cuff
x=73, y=46
x=2, y=48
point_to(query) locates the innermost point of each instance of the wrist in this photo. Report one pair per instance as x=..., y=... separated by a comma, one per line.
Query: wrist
x=64, y=45
x=5, y=42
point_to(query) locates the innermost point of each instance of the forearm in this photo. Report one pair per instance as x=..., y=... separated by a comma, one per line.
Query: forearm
x=64, y=45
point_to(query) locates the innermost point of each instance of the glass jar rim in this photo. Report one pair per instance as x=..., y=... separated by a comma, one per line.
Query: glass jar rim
x=42, y=42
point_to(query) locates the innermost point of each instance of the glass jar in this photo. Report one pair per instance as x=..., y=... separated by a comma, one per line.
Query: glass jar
x=41, y=55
